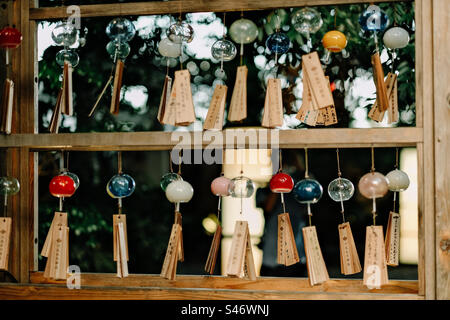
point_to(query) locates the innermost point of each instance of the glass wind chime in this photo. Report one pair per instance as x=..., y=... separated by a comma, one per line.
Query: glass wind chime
x=64, y=34
x=9, y=186
x=220, y=187
x=118, y=187
x=374, y=185
x=10, y=38
x=177, y=191
x=242, y=31
x=120, y=31
x=56, y=245
x=222, y=50
x=287, y=253
x=240, y=259
x=309, y=191
x=277, y=43
x=340, y=190
x=317, y=101
x=398, y=181
x=176, y=107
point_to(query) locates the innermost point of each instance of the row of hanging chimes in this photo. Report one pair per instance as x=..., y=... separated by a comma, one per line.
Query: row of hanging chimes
x=317, y=104
x=64, y=101
x=240, y=260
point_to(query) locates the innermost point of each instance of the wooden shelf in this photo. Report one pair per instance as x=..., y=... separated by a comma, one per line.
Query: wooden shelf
x=285, y=139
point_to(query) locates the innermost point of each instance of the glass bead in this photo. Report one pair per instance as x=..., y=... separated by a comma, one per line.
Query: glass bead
x=64, y=34
x=341, y=189
x=179, y=191
x=180, y=32
x=168, y=178
x=373, y=185
x=123, y=49
x=306, y=20
x=223, y=50
x=307, y=191
x=398, y=180
x=120, y=186
x=278, y=43
x=373, y=19
x=120, y=29
x=9, y=186
x=241, y=187
x=221, y=186
x=168, y=48
x=68, y=55
x=62, y=186
x=281, y=183
x=396, y=38
x=243, y=31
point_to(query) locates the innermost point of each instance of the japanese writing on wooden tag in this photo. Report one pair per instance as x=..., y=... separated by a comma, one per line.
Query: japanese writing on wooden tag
x=350, y=263
x=287, y=253
x=59, y=220
x=166, y=115
x=375, y=112
x=119, y=218
x=238, y=104
x=122, y=250
x=378, y=78
x=5, y=240
x=240, y=259
x=318, y=84
x=58, y=260
x=317, y=270
x=169, y=267
x=117, y=85
x=213, y=250
x=180, y=101
x=273, y=105
x=375, y=269
x=7, y=106
x=393, y=103
x=392, y=240
x=214, y=118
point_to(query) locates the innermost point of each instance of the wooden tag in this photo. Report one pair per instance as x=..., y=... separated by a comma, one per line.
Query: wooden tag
x=213, y=251
x=166, y=115
x=318, y=84
x=287, y=253
x=375, y=269
x=180, y=101
x=115, y=100
x=59, y=220
x=214, y=118
x=350, y=263
x=5, y=239
x=238, y=104
x=58, y=253
x=179, y=220
x=7, y=106
x=170, y=261
x=393, y=103
x=317, y=271
x=392, y=240
x=378, y=77
x=375, y=112
x=120, y=218
x=67, y=89
x=240, y=261
x=273, y=105
x=122, y=270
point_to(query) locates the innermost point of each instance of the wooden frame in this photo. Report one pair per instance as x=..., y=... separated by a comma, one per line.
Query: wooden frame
x=429, y=136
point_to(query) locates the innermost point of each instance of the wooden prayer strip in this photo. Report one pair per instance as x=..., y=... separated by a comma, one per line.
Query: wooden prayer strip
x=119, y=218
x=287, y=253
x=378, y=77
x=393, y=103
x=213, y=251
x=240, y=259
x=214, y=118
x=273, y=105
x=7, y=106
x=238, y=104
x=392, y=240
x=57, y=260
x=375, y=112
x=59, y=220
x=180, y=101
x=115, y=100
x=67, y=107
x=5, y=240
x=317, y=270
x=375, y=269
x=350, y=263
x=166, y=115
x=122, y=270
x=170, y=261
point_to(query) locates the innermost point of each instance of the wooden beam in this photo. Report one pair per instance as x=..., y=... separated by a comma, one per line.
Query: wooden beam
x=311, y=138
x=167, y=7
x=441, y=52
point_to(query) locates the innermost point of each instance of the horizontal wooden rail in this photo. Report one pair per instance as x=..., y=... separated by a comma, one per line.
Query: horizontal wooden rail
x=166, y=7
x=109, y=286
x=230, y=138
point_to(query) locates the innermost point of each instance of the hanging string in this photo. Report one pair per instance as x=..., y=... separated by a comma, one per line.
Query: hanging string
x=339, y=175
x=61, y=169
x=306, y=163
x=223, y=37
x=335, y=16
x=374, y=213
x=373, y=161
x=170, y=161
x=242, y=45
x=179, y=162
x=242, y=173
x=396, y=167
x=223, y=162
x=280, y=169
